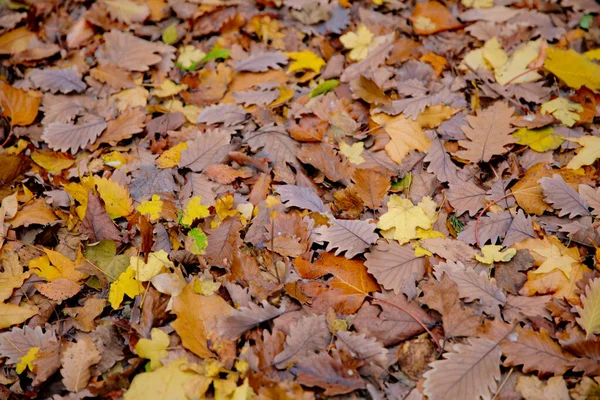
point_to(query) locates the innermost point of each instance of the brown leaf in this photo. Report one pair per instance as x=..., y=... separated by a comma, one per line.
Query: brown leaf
x=96, y=223
x=488, y=133
x=309, y=335
x=368, y=90
x=59, y=289
x=309, y=129
x=223, y=240
x=323, y=157
x=128, y=123
x=371, y=185
x=76, y=359
x=37, y=212
x=246, y=318
x=83, y=317
x=432, y=17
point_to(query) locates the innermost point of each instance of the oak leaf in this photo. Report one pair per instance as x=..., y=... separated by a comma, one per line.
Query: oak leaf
x=351, y=237
x=96, y=223
x=589, y=312
x=488, y=133
x=432, y=17
x=405, y=135
x=310, y=334
x=207, y=149
x=12, y=314
x=301, y=197
x=558, y=193
x=261, y=62
x=371, y=185
x=76, y=360
x=130, y=52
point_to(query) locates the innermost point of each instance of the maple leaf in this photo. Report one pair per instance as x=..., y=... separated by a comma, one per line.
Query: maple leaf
x=589, y=312
x=154, y=348
x=558, y=193
x=405, y=135
x=27, y=360
x=470, y=371
x=573, y=68
x=358, y=42
x=587, y=154
x=351, y=237
x=126, y=284
x=18, y=105
x=562, y=109
x=395, y=267
x=305, y=60
x=169, y=381
x=404, y=217
x=488, y=133
x=492, y=253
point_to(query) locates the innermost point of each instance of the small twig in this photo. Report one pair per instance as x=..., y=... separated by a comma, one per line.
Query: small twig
x=503, y=383
x=410, y=314
x=522, y=74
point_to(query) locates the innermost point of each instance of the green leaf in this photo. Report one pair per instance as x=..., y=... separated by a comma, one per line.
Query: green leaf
x=586, y=21
x=199, y=240
x=103, y=255
x=169, y=35
x=215, y=54
x=324, y=87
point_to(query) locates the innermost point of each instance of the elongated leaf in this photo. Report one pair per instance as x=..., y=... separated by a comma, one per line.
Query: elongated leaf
x=362, y=347
x=207, y=149
x=63, y=137
x=589, y=313
x=466, y=197
x=57, y=80
x=246, y=318
x=562, y=196
x=301, y=197
x=592, y=197
x=261, y=62
x=309, y=334
x=351, y=237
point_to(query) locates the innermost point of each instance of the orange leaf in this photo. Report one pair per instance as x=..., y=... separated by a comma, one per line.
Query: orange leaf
x=432, y=17
x=18, y=105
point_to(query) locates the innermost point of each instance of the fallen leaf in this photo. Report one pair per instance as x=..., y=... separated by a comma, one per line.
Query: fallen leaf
x=589, y=313
x=405, y=135
x=20, y=106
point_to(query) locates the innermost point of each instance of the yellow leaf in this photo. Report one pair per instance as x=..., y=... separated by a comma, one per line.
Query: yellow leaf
x=478, y=3
x=475, y=60
x=357, y=42
x=157, y=261
x=433, y=116
x=125, y=285
x=152, y=207
x=170, y=158
x=197, y=315
x=245, y=210
x=12, y=314
x=405, y=135
x=154, y=348
x=51, y=161
x=353, y=153
x=62, y=266
x=555, y=259
x=405, y=217
x=42, y=267
x=116, y=197
x=168, y=382
x=194, y=210
x=131, y=98
x=493, y=253
x=494, y=54
x=114, y=159
x=587, y=154
x=518, y=63
x=589, y=314
x=189, y=56
x=542, y=139
x=305, y=60
x=593, y=54
x=79, y=191
x=224, y=209
x=564, y=110
x=27, y=360
x=18, y=105
x=575, y=69
x=16, y=40
x=168, y=88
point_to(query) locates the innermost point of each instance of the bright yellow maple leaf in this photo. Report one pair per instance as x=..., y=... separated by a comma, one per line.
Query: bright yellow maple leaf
x=61, y=267
x=42, y=267
x=353, y=153
x=493, y=253
x=405, y=135
x=27, y=360
x=555, y=259
x=194, y=209
x=589, y=314
x=541, y=140
x=405, y=217
x=151, y=208
x=154, y=348
x=587, y=154
x=224, y=208
x=170, y=158
x=562, y=109
x=494, y=54
x=168, y=88
x=575, y=69
x=157, y=262
x=117, y=200
x=514, y=69
x=125, y=285
x=357, y=42
x=305, y=60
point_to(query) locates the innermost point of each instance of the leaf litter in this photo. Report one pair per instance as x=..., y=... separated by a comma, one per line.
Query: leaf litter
x=269, y=199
